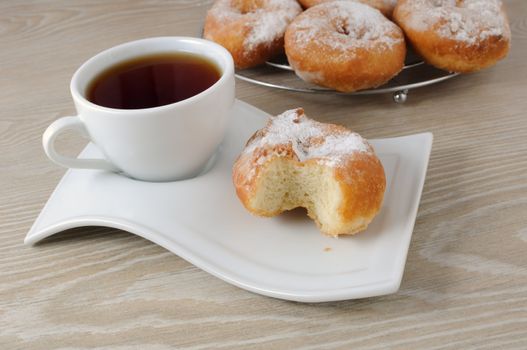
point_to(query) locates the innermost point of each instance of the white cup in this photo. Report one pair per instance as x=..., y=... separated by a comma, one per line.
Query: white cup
x=165, y=143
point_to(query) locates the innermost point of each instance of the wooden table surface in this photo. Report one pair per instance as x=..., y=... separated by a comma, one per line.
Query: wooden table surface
x=465, y=282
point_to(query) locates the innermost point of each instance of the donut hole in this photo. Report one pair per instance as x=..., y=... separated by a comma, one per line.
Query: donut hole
x=342, y=27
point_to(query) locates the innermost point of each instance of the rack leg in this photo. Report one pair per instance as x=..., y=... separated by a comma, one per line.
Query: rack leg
x=400, y=96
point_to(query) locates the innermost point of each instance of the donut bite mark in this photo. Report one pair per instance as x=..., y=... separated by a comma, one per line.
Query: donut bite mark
x=297, y=162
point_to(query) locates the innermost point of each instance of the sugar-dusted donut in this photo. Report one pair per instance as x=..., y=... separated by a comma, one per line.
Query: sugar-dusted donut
x=456, y=35
x=297, y=162
x=385, y=6
x=345, y=45
x=252, y=30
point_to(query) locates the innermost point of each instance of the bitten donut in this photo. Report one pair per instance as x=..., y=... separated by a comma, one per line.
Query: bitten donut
x=456, y=35
x=345, y=45
x=251, y=30
x=385, y=6
x=297, y=162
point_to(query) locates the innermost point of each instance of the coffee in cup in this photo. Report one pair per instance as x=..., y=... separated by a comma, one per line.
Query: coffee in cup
x=157, y=108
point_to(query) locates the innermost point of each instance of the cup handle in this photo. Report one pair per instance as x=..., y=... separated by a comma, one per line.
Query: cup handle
x=71, y=123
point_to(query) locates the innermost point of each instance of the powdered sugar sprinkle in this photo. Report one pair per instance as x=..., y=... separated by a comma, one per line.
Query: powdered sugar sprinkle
x=345, y=25
x=307, y=138
x=468, y=21
x=267, y=23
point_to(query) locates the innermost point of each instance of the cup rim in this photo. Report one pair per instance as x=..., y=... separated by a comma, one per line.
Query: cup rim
x=226, y=73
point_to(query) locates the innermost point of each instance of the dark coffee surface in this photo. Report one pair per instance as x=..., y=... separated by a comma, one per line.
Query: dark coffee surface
x=152, y=81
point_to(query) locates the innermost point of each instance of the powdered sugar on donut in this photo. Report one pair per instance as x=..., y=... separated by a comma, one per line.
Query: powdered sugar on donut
x=308, y=139
x=468, y=21
x=345, y=26
x=267, y=22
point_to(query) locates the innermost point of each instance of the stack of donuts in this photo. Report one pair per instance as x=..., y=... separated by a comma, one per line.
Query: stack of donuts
x=350, y=45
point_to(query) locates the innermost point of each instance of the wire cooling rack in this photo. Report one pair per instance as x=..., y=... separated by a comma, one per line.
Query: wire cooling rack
x=278, y=74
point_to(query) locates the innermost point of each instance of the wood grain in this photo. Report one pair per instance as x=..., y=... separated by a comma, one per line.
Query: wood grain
x=465, y=283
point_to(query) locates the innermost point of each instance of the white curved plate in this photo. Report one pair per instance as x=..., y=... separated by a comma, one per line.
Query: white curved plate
x=202, y=221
